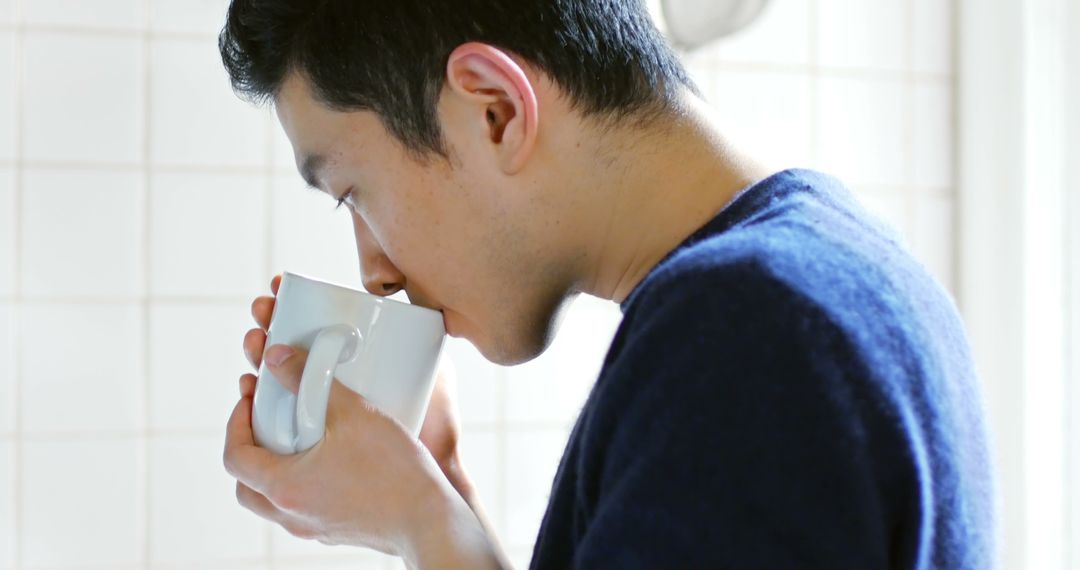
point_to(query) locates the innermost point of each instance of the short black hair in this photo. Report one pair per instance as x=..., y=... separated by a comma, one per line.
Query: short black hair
x=389, y=56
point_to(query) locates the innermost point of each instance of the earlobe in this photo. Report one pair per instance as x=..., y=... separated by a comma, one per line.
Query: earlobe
x=503, y=97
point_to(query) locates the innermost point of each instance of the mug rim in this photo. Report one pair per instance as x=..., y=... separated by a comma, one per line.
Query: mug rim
x=391, y=302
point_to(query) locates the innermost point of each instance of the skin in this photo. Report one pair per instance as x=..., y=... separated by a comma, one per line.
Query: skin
x=535, y=204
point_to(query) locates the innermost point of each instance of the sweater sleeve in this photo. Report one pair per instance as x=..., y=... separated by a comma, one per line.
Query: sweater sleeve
x=739, y=431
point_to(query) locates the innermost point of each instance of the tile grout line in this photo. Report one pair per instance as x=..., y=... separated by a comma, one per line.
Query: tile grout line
x=268, y=270
x=502, y=446
x=908, y=134
x=813, y=59
x=55, y=436
x=147, y=189
x=19, y=313
x=954, y=144
x=107, y=31
x=184, y=168
x=133, y=300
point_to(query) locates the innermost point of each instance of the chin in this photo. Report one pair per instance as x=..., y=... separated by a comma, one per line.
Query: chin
x=524, y=342
x=509, y=356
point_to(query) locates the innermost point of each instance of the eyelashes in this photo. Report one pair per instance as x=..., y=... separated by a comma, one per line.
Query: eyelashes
x=343, y=198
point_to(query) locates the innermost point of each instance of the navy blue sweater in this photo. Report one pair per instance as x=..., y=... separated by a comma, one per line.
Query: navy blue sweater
x=789, y=388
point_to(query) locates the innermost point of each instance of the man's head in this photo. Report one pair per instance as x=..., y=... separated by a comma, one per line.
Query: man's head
x=456, y=128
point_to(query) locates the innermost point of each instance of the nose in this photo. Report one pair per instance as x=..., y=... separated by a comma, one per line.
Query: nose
x=380, y=275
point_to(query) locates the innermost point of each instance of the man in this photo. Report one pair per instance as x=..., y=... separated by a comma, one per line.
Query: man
x=788, y=388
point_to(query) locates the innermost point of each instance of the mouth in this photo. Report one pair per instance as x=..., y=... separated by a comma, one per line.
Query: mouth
x=447, y=324
x=422, y=301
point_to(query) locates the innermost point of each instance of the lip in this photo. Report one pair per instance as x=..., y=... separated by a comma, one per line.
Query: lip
x=446, y=323
x=417, y=298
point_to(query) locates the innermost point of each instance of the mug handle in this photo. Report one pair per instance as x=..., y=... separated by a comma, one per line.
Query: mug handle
x=333, y=345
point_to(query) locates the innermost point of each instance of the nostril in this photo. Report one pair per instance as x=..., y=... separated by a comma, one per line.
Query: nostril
x=391, y=288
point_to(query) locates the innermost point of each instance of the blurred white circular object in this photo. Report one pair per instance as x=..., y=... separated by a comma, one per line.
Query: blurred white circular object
x=692, y=23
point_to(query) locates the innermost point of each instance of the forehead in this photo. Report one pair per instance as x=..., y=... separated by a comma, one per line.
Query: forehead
x=308, y=124
x=314, y=130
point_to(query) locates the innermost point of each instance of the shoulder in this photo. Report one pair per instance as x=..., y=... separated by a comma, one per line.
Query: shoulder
x=715, y=329
x=736, y=276
x=730, y=329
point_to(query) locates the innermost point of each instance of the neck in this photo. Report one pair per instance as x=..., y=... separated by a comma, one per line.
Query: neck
x=660, y=187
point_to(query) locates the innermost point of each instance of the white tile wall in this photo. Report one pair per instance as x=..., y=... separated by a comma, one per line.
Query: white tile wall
x=768, y=113
x=311, y=237
x=932, y=132
x=481, y=453
x=7, y=370
x=208, y=234
x=892, y=206
x=7, y=505
x=195, y=363
x=82, y=503
x=69, y=246
x=194, y=516
x=856, y=33
x=7, y=232
x=112, y=14
x=82, y=367
x=532, y=457
x=354, y=561
x=83, y=98
x=933, y=236
x=195, y=118
x=146, y=212
x=294, y=553
x=779, y=36
x=861, y=129
x=188, y=16
x=232, y=565
x=478, y=382
x=932, y=36
x=7, y=95
x=553, y=387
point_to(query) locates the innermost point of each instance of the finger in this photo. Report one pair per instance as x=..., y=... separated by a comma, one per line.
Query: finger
x=275, y=283
x=257, y=503
x=247, y=385
x=262, y=309
x=289, y=369
x=254, y=341
x=248, y=463
x=348, y=405
x=287, y=364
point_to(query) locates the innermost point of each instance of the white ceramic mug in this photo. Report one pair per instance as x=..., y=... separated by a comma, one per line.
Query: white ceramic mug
x=385, y=350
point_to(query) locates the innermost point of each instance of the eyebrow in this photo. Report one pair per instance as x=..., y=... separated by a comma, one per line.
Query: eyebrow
x=310, y=168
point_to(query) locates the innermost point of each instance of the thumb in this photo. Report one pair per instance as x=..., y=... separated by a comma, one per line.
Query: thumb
x=344, y=403
x=287, y=364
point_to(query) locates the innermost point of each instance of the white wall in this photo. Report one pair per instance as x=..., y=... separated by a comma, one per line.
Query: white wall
x=1018, y=68
x=142, y=207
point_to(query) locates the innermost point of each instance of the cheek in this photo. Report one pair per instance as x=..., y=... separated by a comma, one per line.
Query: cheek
x=414, y=228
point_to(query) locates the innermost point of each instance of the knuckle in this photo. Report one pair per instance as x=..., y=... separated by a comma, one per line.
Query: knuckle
x=228, y=465
x=229, y=462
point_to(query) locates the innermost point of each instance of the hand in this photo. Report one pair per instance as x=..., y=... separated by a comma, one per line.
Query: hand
x=367, y=483
x=441, y=430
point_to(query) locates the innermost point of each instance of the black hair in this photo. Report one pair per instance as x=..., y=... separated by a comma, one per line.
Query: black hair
x=389, y=56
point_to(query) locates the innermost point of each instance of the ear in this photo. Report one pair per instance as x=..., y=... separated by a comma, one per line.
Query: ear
x=496, y=87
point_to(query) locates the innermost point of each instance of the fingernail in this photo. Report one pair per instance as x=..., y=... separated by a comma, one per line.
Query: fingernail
x=277, y=354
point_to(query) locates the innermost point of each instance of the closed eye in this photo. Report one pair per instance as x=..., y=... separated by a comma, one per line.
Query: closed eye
x=343, y=198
